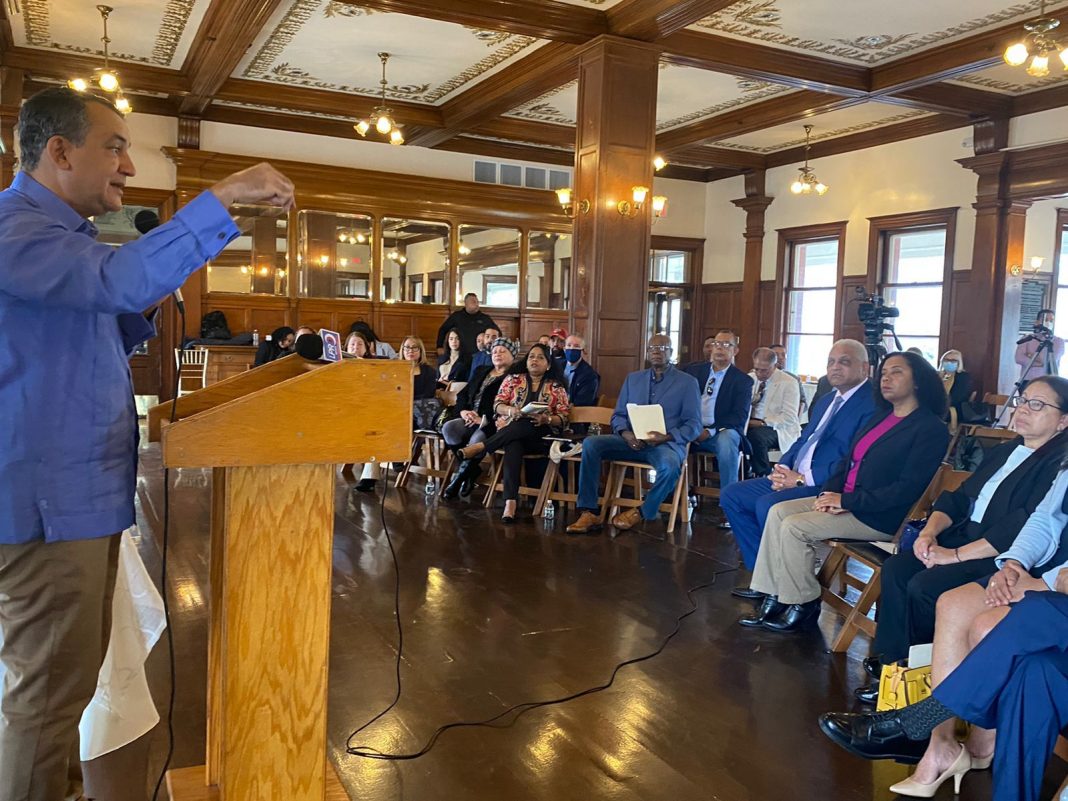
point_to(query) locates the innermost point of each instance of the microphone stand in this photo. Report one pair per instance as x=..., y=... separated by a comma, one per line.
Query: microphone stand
x=1045, y=345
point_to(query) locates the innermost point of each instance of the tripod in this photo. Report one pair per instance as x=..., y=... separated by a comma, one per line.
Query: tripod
x=873, y=343
x=1045, y=345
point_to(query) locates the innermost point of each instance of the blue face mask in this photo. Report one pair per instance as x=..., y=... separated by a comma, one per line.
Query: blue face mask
x=950, y=367
x=572, y=355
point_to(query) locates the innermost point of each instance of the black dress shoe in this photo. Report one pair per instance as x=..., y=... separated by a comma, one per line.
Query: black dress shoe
x=796, y=617
x=867, y=695
x=769, y=608
x=877, y=736
x=467, y=472
x=508, y=520
x=748, y=593
x=366, y=485
x=873, y=666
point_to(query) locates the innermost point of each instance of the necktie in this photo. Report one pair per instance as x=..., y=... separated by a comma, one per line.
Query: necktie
x=760, y=393
x=710, y=385
x=810, y=443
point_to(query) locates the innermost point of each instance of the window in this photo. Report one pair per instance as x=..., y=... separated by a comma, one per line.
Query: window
x=256, y=262
x=335, y=254
x=669, y=267
x=489, y=265
x=415, y=261
x=548, y=270
x=811, y=273
x=913, y=272
x=1060, y=270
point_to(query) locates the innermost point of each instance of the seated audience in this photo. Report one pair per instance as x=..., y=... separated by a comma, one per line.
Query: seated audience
x=773, y=422
x=583, y=382
x=454, y=364
x=725, y=403
x=424, y=390
x=472, y=415
x=780, y=360
x=302, y=330
x=382, y=350
x=958, y=383
x=482, y=358
x=1014, y=680
x=706, y=351
x=277, y=345
x=545, y=339
x=556, y=342
x=803, y=469
x=888, y=467
x=468, y=321
x=968, y=528
x=359, y=345
x=678, y=394
x=535, y=379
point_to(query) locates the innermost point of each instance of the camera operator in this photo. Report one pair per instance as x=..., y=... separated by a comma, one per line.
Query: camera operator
x=1047, y=363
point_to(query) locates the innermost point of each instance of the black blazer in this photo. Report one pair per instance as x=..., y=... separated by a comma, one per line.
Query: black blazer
x=465, y=398
x=895, y=471
x=960, y=391
x=460, y=369
x=582, y=391
x=735, y=397
x=425, y=384
x=1014, y=500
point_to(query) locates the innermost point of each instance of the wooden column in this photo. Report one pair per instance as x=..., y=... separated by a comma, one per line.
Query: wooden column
x=614, y=152
x=999, y=242
x=10, y=102
x=755, y=203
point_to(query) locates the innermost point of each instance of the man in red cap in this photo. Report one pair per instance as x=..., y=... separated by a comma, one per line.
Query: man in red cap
x=556, y=342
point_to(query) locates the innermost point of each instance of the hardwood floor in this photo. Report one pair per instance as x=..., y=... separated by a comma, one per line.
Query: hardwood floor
x=496, y=615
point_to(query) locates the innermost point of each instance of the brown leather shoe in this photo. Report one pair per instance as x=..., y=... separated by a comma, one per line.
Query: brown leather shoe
x=628, y=519
x=586, y=523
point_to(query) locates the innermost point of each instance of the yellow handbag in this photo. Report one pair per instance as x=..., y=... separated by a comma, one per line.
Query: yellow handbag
x=900, y=686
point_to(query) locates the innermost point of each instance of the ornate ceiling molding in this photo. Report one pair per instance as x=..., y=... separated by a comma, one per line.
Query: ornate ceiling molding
x=832, y=134
x=752, y=91
x=761, y=20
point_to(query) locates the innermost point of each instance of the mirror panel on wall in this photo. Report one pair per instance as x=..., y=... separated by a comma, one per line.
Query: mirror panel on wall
x=256, y=262
x=335, y=255
x=489, y=265
x=415, y=261
x=548, y=270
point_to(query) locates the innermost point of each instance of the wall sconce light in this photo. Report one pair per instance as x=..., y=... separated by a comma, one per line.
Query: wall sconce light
x=631, y=209
x=1036, y=265
x=658, y=163
x=659, y=206
x=465, y=250
x=564, y=196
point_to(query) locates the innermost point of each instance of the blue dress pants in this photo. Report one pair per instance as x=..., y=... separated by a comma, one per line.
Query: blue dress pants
x=746, y=504
x=662, y=458
x=1016, y=681
x=726, y=445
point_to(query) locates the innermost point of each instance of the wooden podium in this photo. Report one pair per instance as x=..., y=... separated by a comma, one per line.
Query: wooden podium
x=273, y=436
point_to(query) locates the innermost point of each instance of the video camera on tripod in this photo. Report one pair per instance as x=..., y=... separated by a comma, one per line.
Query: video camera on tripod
x=1039, y=333
x=875, y=315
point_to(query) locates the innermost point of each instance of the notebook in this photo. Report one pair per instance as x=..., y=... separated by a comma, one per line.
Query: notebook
x=645, y=420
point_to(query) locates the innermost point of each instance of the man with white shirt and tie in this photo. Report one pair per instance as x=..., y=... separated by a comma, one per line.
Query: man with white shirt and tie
x=836, y=419
x=773, y=421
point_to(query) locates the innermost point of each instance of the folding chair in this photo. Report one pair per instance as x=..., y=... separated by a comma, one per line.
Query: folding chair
x=679, y=506
x=431, y=445
x=558, y=487
x=873, y=555
x=192, y=369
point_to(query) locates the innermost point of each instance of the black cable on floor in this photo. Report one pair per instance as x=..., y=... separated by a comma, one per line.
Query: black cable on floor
x=509, y=716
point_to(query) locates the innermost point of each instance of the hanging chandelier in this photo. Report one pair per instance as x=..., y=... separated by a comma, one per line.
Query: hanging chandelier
x=104, y=78
x=381, y=118
x=1036, y=46
x=807, y=182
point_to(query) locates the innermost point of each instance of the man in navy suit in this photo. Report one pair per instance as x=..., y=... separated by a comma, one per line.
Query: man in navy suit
x=726, y=395
x=835, y=420
x=677, y=394
x=583, y=382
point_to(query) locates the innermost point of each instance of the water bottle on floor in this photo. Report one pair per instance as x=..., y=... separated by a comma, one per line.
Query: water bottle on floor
x=549, y=512
x=431, y=486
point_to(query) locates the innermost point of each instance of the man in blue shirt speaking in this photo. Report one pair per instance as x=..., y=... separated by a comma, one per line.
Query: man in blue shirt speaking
x=68, y=429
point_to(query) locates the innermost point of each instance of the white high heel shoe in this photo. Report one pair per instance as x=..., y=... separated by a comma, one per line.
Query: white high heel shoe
x=914, y=789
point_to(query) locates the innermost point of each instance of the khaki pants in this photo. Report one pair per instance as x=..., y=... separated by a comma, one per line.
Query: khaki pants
x=786, y=563
x=55, y=620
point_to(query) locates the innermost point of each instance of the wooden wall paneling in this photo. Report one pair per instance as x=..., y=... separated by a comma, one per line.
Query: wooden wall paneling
x=11, y=89
x=962, y=313
x=535, y=323
x=755, y=204
x=849, y=326
x=767, y=333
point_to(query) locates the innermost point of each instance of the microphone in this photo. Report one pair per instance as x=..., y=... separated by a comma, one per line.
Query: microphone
x=147, y=220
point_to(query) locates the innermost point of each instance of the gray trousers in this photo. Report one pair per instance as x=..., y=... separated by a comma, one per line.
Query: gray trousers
x=786, y=562
x=55, y=621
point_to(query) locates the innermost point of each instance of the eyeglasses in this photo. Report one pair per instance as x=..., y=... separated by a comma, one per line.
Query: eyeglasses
x=722, y=345
x=659, y=348
x=1034, y=404
x=411, y=347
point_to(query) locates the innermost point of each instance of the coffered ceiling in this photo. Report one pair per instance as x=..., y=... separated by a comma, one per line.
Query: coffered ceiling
x=737, y=78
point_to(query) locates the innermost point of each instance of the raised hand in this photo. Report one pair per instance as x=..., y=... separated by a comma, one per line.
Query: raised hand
x=261, y=183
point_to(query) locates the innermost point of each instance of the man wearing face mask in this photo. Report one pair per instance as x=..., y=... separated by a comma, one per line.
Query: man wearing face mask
x=583, y=382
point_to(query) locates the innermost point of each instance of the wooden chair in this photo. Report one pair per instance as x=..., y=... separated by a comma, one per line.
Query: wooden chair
x=679, y=506
x=986, y=436
x=954, y=423
x=439, y=460
x=553, y=485
x=702, y=472
x=873, y=555
x=192, y=369
x=496, y=482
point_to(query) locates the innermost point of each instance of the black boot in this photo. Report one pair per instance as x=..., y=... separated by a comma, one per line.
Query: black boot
x=463, y=480
x=796, y=617
x=366, y=485
x=769, y=608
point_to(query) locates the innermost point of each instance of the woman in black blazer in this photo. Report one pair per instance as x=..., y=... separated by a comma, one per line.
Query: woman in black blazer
x=886, y=470
x=968, y=528
x=454, y=364
x=957, y=383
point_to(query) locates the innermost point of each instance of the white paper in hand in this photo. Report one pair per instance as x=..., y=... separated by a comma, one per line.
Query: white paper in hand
x=645, y=420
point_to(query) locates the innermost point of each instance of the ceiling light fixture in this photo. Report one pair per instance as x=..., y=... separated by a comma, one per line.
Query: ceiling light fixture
x=1036, y=46
x=381, y=118
x=104, y=78
x=807, y=182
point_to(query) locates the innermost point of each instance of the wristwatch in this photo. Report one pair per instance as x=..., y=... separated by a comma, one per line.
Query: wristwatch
x=800, y=482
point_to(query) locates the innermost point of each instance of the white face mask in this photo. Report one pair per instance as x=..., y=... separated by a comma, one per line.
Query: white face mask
x=950, y=367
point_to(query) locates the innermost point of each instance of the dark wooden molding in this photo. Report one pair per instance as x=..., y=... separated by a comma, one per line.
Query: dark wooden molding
x=990, y=135
x=1042, y=100
x=717, y=157
x=945, y=98
x=7, y=40
x=540, y=133
x=507, y=150
x=228, y=30
x=650, y=20
x=546, y=19
x=189, y=133
x=134, y=77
